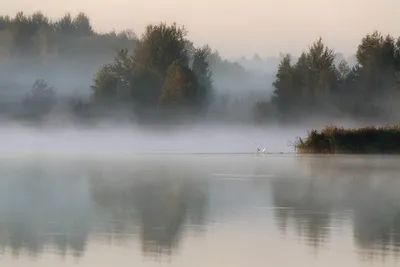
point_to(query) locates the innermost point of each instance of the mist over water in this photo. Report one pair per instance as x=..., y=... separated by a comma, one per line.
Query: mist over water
x=128, y=139
x=114, y=138
x=147, y=157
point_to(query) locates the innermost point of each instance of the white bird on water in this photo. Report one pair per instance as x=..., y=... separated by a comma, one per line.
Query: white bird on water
x=259, y=150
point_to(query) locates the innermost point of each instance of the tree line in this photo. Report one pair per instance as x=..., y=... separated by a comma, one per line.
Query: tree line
x=158, y=74
x=38, y=36
x=162, y=75
x=317, y=84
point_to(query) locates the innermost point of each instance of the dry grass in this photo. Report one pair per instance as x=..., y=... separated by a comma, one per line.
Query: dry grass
x=367, y=140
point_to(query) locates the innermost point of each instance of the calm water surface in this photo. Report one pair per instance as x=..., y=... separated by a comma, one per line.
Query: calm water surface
x=200, y=210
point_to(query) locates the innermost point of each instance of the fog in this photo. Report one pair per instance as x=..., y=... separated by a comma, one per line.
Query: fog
x=110, y=137
x=73, y=76
x=124, y=139
x=69, y=76
x=229, y=132
x=67, y=89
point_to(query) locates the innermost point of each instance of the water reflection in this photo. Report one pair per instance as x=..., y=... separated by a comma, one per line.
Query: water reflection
x=48, y=210
x=362, y=190
x=155, y=206
x=159, y=202
x=35, y=214
x=303, y=205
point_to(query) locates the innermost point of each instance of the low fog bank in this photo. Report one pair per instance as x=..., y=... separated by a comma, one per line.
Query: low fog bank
x=65, y=88
x=112, y=138
x=136, y=139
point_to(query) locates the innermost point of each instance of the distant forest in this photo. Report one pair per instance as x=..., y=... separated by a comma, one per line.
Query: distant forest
x=55, y=69
x=315, y=85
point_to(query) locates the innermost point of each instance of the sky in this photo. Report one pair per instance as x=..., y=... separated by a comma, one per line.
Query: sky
x=237, y=27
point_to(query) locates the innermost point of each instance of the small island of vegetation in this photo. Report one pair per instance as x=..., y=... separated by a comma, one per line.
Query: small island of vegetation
x=367, y=140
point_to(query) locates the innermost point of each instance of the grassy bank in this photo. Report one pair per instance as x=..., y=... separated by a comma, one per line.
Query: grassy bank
x=367, y=140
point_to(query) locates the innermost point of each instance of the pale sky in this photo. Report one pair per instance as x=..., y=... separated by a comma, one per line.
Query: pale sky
x=238, y=27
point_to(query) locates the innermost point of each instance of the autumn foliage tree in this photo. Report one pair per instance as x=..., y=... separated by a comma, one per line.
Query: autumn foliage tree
x=181, y=87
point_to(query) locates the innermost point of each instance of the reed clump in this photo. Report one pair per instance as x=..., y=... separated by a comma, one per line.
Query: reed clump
x=367, y=140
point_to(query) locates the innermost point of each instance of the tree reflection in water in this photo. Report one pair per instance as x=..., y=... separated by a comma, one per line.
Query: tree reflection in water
x=62, y=208
x=60, y=211
x=368, y=187
x=163, y=204
x=37, y=213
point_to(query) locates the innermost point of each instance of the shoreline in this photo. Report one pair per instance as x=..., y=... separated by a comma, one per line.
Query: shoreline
x=358, y=141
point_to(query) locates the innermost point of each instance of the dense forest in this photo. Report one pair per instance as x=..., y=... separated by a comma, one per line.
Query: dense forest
x=64, y=69
x=314, y=84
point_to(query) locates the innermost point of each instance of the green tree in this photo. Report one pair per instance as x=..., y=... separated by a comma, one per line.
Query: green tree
x=371, y=86
x=201, y=68
x=105, y=87
x=147, y=86
x=65, y=25
x=343, y=69
x=302, y=93
x=37, y=35
x=283, y=96
x=21, y=30
x=309, y=85
x=323, y=80
x=376, y=57
x=40, y=100
x=114, y=82
x=160, y=46
x=81, y=25
x=141, y=75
